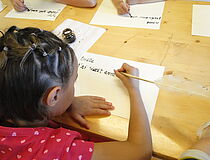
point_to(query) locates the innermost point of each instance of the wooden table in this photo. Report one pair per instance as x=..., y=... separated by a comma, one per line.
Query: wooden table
x=177, y=116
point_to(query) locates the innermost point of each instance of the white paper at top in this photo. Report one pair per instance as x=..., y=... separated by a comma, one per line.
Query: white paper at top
x=2, y=6
x=39, y=9
x=200, y=20
x=86, y=35
x=144, y=15
x=96, y=77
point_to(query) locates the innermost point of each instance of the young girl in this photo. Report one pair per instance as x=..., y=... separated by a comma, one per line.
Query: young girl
x=37, y=76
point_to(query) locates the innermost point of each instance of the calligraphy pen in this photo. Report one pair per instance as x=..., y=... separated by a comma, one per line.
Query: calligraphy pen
x=27, y=9
x=130, y=14
x=177, y=84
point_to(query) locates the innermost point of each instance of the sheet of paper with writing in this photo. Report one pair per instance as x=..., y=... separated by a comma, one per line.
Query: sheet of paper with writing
x=96, y=77
x=2, y=6
x=38, y=9
x=86, y=35
x=200, y=25
x=143, y=15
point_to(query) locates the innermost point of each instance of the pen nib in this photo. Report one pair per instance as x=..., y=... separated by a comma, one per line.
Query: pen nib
x=130, y=15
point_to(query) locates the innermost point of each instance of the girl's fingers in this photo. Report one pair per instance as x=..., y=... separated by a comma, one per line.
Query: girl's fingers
x=99, y=102
x=118, y=74
x=102, y=103
x=125, y=9
x=106, y=106
x=19, y=9
x=100, y=112
x=81, y=121
x=128, y=6
x=121, y=69
x=122, y=8
x=19, y=3
x=97, y=98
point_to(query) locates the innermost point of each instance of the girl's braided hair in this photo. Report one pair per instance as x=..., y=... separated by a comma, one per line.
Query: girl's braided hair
x=31, y=62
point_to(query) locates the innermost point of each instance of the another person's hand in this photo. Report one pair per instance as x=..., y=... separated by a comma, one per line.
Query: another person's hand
x=205, y=132
x=88, y=106
x=18, y=5
x=130, y=83
x=121, y=6
x=130, y=2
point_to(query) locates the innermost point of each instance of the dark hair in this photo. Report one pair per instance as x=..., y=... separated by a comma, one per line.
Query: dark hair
x=31, y=62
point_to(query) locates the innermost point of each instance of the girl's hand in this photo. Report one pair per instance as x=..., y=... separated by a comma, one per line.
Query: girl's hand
x=130, y=83
x=88, y=106
x=18, y=5
x=122, y=7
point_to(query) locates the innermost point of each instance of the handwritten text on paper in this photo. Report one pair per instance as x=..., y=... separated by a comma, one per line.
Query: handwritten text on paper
x=89, y=65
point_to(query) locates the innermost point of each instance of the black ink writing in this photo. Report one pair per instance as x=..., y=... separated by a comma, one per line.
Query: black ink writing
x=33, y=10
x=91, y=60
x=149, y=19
x=49, y=13
x=148, y=22
x=109, y=73
x=82, y=66
x=96, y=69
x=134, y=17
x=42, y=11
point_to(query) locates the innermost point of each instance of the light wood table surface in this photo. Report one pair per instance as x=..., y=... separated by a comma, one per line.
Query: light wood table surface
x=177, y=116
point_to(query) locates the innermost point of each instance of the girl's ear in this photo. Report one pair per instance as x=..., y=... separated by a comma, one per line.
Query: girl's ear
x=52, y=96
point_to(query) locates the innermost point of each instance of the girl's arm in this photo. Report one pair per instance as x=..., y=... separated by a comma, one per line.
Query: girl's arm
x=79, y=3
x=138, y=146
x=130, y=2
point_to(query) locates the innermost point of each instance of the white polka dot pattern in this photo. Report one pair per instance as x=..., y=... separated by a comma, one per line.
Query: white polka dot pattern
x=48, y=144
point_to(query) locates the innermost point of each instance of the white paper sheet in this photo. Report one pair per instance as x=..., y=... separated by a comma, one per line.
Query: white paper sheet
x=2, y=6
x=86, y=35
x=96, y=77
x=200, y=21
x=144, y=15
x=38, y=9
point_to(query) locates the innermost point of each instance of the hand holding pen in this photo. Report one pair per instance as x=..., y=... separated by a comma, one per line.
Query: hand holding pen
x=19, y=5
x=121, y=6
